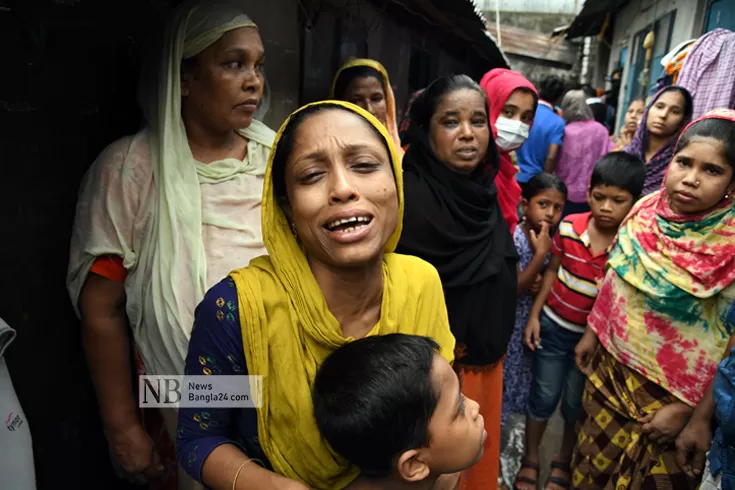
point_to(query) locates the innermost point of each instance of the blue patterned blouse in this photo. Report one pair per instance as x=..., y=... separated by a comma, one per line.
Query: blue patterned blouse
x=216, y=348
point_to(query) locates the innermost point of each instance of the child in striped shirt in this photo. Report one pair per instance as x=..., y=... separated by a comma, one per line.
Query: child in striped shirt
x=559, y=313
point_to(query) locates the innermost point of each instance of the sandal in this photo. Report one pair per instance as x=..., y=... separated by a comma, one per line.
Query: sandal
x=529, y=465
x=559, y=481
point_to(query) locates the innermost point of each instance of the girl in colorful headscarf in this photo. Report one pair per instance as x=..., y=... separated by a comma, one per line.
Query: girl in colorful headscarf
x=654, y=142
x=365, y=83
x=660, y=324
x=165, y=213
x=513, y=101
x=332, y=217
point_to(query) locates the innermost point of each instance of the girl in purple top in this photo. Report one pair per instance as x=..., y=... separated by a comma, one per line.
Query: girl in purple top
x=585, y=142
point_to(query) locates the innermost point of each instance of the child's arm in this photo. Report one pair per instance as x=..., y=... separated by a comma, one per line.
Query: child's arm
x=696, y=438
x=532, y=334
x=541, y=244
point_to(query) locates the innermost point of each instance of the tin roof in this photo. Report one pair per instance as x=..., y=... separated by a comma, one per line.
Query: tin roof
x=536, y=45
x=462, y=19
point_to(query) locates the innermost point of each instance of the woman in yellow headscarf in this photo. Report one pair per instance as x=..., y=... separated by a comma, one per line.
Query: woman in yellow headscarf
x=365, y=83
x=332, y=214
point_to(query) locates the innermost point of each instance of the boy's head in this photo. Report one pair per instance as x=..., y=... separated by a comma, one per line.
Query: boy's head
x=392, y=406
x=616, y=184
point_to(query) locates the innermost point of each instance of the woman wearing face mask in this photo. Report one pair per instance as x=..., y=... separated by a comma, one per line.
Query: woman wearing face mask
x=513, y=101
x=453, y=220
x=585, y=142
x=654, y=142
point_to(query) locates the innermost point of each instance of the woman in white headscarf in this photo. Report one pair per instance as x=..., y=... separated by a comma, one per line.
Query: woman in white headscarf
x=166, y=213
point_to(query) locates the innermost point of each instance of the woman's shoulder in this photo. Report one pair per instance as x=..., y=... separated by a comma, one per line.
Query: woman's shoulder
x=131, y=153
x=416, y=271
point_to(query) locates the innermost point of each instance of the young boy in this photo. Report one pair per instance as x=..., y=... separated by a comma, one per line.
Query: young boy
x=392, y=406
x=559, y=313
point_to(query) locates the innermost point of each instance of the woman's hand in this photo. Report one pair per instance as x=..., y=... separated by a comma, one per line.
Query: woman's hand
x=692, y=446
x=532, y=333
x=135, y=452
x=541, y=241
x=665, y=424
x=585, y=350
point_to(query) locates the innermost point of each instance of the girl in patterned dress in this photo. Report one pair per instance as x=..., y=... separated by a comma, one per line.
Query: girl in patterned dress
x=660, y=324
x=543, y=201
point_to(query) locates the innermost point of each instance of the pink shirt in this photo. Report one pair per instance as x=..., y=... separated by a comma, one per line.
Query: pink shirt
x=585, y=142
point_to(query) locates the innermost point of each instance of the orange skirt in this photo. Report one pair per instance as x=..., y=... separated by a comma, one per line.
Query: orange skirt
x=485, y=386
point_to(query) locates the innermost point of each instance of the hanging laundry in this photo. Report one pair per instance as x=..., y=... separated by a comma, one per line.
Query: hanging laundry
x=707, y=72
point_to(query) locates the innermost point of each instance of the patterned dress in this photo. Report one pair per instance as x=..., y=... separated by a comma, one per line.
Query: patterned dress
x=216, y=348
x=516, y=375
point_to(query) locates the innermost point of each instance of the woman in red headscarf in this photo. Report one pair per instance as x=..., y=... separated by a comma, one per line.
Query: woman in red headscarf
x=513, y=101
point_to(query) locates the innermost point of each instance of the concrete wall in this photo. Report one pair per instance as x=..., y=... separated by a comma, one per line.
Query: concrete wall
x=637, y=15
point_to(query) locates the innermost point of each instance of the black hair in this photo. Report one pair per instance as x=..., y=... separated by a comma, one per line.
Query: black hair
x=348, y=75
x=620, y=169
x=589, y=90
x=425, y=105
x=720, y=129
x=286, y=142
x=551, y=89
x=374, y=397
x=541, y=182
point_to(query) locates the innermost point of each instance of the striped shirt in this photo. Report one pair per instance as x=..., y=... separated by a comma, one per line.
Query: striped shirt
x=575, y=289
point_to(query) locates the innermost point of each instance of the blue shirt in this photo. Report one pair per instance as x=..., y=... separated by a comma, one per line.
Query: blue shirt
x=547, y=129
x=722, y=454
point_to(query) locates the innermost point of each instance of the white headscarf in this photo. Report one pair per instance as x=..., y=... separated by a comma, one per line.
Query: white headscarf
x=167, y=273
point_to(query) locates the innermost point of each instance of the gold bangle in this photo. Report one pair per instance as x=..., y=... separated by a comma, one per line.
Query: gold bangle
x=234, y=481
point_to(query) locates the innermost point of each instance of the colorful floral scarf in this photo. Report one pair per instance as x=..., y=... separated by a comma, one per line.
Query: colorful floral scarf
x=656, y=167
x=662, y=308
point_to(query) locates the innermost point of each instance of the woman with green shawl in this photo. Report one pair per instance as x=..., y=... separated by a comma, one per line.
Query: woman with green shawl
x=163, y=215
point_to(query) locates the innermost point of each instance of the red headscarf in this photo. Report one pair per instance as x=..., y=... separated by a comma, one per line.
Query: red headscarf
x=498, y=84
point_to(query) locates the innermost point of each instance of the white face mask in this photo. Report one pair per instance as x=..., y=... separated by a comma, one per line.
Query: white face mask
x=511, y=133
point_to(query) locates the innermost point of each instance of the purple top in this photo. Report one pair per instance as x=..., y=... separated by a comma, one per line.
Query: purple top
x=585, y=142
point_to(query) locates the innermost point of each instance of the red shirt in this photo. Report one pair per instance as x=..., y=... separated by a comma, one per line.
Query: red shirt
x=576, y=285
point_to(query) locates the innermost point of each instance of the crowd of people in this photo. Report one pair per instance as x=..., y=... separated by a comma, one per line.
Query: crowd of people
x=418, y=295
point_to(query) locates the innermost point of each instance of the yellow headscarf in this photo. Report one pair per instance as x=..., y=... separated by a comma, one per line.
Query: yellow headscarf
x=390, y=100
x=288, y=329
